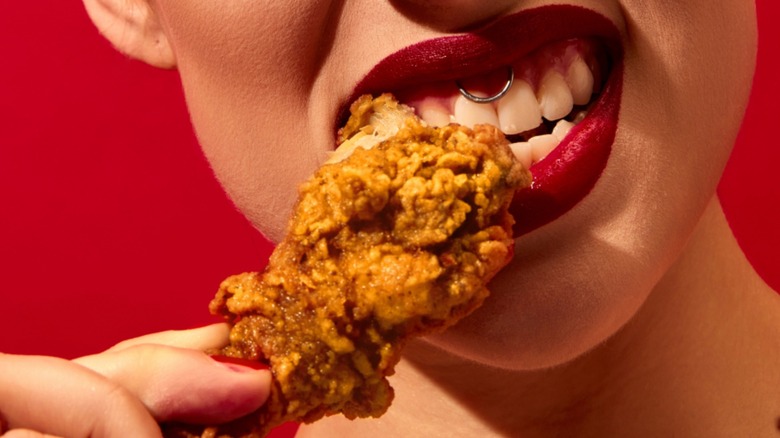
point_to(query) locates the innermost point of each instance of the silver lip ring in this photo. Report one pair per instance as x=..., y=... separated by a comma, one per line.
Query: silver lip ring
x=489, y=99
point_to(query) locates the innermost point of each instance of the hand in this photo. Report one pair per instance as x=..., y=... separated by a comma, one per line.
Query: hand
x=127, y=389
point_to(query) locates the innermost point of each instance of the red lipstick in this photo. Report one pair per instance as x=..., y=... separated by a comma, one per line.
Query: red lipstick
x=571, y=170
x=569, y=173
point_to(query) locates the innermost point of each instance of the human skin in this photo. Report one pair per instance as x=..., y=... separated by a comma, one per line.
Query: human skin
x=634, y=288
x=129, y=388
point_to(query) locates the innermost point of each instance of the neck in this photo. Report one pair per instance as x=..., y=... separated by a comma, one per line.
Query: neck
x=698, y=359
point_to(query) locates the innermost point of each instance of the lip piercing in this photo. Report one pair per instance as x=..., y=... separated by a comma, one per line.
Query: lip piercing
x=477, y=99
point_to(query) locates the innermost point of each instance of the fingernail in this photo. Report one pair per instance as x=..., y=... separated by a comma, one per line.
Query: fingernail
x=239, y=365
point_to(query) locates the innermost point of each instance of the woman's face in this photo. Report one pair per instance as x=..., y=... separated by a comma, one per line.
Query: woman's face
x=266, y=82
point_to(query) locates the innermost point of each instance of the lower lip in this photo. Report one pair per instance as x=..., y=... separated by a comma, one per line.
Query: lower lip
x=570, y=171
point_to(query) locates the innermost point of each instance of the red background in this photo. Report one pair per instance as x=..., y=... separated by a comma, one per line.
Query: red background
x=111, y=224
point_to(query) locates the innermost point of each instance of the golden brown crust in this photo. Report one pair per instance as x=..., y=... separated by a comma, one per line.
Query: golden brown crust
x=392, y=242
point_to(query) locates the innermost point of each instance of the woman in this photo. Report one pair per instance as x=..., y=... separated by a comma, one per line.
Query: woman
x=627, y=310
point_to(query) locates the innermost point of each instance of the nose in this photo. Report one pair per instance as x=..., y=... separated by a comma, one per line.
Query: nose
x=452, y=15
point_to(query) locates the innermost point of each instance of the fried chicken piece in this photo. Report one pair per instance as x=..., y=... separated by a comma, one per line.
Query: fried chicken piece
x=398, y=239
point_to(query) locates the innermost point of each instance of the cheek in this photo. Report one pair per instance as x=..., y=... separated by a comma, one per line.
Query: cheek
x=576, y=281
x=556, y=300
x=691, y=67
x=247, y=69
x=682, y=108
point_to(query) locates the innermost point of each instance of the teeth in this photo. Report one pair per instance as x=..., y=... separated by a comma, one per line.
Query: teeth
x=433, y=113
x=538, y=147
x=522, y=151
x=469, y=113
x=561, y=129
x=555, y=99
x=580, y=81
x=518, y=110
x=521, y=110
x=534, y=150
x=542, y=145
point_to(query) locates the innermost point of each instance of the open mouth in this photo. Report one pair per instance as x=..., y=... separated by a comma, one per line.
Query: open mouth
x=548, y=92
x=562, y=68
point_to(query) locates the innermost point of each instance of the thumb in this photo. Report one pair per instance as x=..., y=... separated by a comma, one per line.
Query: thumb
x=178, y=384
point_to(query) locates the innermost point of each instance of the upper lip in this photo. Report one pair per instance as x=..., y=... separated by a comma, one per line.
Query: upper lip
x=572, y=169
x=493, y=46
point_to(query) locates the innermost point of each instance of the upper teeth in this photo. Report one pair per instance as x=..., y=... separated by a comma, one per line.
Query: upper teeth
x=580, y=81
x=523, y=108
x=554, y=96
x=518, y=110
x=469, y=113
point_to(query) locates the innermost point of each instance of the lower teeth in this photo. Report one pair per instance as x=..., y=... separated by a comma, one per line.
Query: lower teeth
x=533, y=146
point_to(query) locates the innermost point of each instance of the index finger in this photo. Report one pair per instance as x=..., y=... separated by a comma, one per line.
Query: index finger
x=209, y=337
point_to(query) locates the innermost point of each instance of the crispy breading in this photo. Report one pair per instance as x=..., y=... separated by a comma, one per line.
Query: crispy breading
x=393, y=241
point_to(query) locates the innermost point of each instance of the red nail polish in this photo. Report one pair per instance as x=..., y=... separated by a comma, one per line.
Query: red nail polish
x=239, y=364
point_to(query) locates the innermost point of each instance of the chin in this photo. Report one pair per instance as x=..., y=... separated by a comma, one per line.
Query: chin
x=551, y=304
x=492, y=339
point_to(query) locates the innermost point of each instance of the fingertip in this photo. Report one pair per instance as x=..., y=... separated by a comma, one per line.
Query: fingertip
x=212, y=391
x=239, y=364
x=247, y=386
x=212, y=336
x=184, y=385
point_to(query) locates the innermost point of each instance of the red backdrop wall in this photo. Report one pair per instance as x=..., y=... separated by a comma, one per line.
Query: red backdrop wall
x=111, y=224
